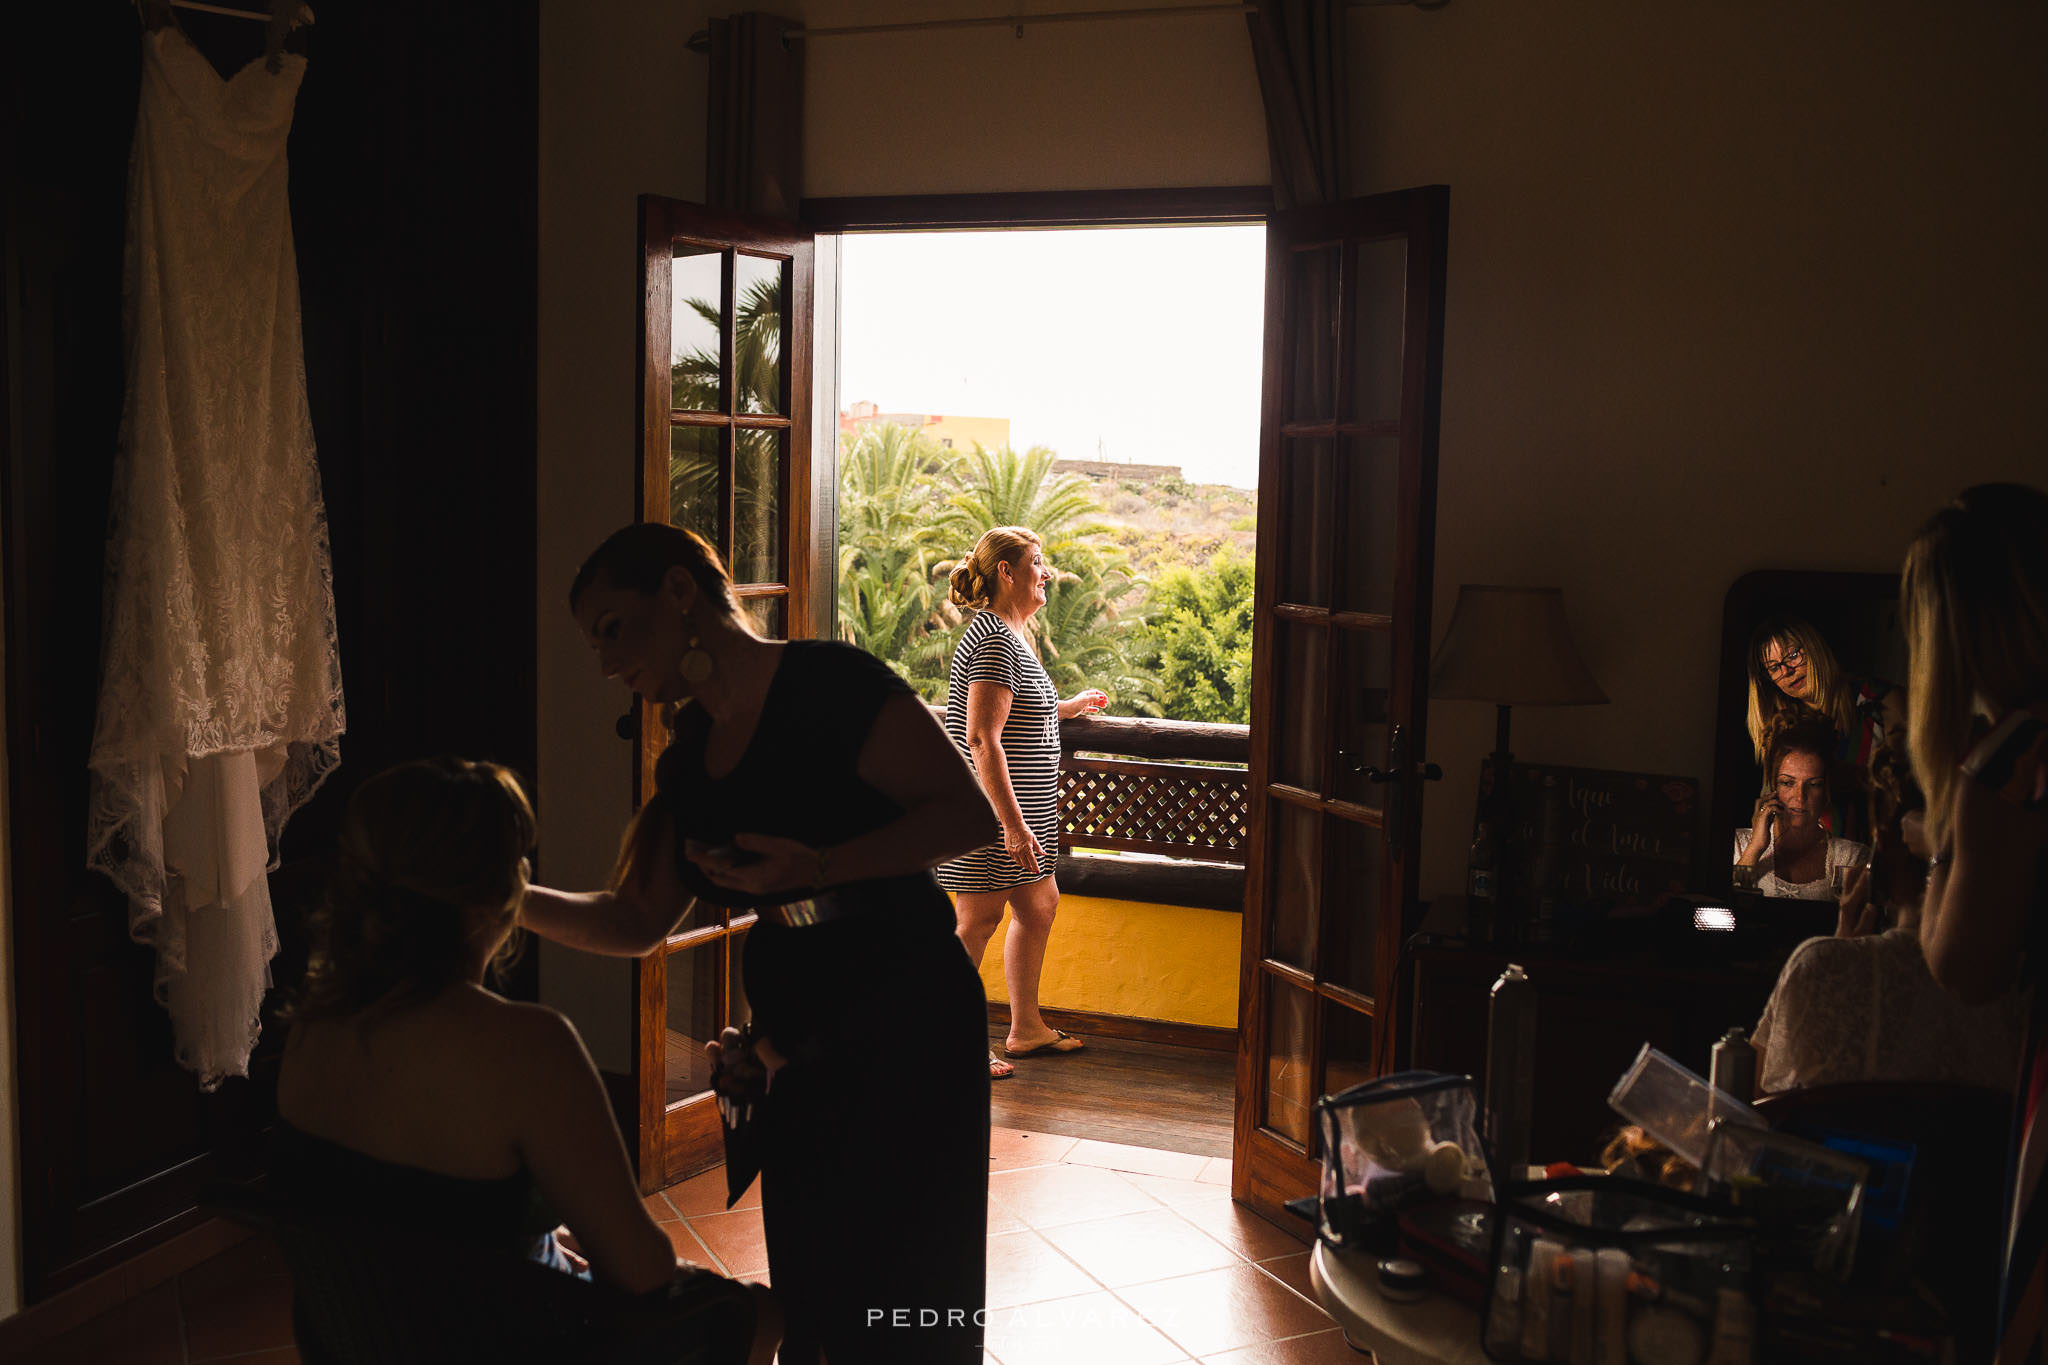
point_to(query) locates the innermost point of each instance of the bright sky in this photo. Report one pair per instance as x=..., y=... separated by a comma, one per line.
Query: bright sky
x=1129, y=344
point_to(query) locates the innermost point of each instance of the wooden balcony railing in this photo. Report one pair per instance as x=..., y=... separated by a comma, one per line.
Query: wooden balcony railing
x=1133, y=785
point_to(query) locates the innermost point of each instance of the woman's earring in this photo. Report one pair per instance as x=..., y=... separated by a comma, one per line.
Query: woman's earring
x=696, y=663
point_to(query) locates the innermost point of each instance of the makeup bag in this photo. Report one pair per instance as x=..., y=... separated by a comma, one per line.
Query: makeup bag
x=1394, y=1142
x=1606, y=1270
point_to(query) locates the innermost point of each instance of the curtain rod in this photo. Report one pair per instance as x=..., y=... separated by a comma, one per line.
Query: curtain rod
x=700, y=41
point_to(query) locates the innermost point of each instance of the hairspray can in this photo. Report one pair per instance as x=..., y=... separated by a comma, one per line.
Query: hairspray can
x=1510, y=1099
x=1734, y=1066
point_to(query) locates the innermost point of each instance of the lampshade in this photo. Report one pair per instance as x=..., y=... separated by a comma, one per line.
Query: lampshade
x=1513, y=647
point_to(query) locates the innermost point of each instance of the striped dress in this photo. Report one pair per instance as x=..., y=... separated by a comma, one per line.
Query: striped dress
x=990, y=652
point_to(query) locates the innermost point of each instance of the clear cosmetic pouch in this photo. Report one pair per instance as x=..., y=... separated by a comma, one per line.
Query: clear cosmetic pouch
x=1393, y=1142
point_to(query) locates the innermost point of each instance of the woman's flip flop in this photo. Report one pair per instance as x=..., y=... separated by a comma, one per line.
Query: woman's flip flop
x=1061, y=1041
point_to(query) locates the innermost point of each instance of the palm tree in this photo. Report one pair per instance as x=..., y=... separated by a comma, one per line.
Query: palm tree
x=1003, y=488
x=892, y=481
x=757, y=378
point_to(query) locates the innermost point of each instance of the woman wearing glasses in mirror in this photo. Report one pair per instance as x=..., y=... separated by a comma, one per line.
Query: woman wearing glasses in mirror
x=1793, y=676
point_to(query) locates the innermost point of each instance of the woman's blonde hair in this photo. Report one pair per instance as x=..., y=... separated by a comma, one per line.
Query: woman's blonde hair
x=1974, y=602
x=973, y=580
x=1769, y=706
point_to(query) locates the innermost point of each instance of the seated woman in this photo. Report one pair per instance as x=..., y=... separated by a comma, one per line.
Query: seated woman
x=1793, y=676
x=412, y=1099
x=1864, y=1007
x=1787, y=852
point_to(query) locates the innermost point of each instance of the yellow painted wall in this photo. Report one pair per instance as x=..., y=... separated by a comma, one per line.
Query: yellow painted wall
x=964, y=432
x=1133, y=959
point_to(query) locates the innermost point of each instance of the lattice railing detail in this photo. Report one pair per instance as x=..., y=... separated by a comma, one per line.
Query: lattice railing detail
x=1168, y=808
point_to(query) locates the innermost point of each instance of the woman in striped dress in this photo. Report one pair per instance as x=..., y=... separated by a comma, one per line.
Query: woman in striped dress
x=1003, y=712
x=1975, y=606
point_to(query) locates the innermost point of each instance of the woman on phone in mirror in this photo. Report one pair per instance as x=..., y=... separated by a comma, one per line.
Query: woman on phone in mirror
x=1787, y=852
x=1793, y=676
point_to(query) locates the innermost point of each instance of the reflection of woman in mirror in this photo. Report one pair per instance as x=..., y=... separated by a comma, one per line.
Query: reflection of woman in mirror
x=1787, y=851
x=1794, y=676
x=1975, y=605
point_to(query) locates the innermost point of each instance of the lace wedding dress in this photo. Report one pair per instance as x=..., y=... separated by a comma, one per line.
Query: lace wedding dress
x=220, y=706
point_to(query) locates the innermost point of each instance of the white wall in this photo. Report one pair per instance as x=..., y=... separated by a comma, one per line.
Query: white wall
x=621, y=112
x=1731, y=287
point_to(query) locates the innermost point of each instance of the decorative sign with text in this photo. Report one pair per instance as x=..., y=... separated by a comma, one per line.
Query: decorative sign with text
x=1589, y=837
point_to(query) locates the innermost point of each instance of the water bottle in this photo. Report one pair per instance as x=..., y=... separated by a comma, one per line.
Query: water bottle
x=1734, y=1066
x=1510, y=1099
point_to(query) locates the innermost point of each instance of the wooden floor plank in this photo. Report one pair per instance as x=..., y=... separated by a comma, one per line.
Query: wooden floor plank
x=1118, y=1090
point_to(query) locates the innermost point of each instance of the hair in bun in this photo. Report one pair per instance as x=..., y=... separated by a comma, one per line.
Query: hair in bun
x=973, y=581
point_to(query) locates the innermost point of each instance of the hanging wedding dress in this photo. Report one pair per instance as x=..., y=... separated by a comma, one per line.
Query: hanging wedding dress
x=220, y=706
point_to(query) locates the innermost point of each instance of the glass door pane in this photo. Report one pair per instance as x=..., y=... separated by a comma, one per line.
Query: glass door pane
x=696, y=328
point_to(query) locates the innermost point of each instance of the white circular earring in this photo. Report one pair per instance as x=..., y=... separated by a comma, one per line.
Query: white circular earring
x=695, y=665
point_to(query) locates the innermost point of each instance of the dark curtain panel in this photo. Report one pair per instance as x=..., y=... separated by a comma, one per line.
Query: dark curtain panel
x=1298, y=48
x=756, y=157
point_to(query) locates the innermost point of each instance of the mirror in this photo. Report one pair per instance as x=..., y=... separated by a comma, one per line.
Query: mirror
x=1857, y=615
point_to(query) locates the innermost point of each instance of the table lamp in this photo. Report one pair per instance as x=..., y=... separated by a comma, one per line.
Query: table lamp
x=1512, y=647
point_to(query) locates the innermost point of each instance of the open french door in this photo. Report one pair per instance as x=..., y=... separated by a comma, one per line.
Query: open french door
x=1347, y=523
x=726, y=445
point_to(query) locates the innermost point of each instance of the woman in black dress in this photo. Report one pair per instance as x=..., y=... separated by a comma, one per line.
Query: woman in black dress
x=809, y=783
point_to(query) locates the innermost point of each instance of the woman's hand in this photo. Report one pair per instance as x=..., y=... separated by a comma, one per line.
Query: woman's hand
x=1767, y=810
x=1023, y=847
x=1083, y=703
x=758, y=864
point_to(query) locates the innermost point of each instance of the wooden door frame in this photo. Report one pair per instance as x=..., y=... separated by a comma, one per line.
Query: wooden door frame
x=665, y=1153
x=1268, y=1170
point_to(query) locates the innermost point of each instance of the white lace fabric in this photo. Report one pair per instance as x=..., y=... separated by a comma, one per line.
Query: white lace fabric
x=220, y=706
x=1848, y=1010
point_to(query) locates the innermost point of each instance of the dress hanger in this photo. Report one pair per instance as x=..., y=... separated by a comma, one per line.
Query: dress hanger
x=282, y=18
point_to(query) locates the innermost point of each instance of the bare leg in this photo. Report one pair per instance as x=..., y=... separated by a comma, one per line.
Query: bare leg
x=976, y=914
x=1032, y=907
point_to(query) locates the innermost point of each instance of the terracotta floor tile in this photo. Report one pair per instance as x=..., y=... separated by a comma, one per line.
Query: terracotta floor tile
x=736, y=1238
x=1317, y=1348
x=1010, y=1149
x=705, y=1193
x=1001, y=1220
x=1217, y=1172
x=1089, y=1329
x=1139, y=1247
x=1291, y=1271
x=1175, y=1193
x=1048, y=1196
x=239, y=1302
x=1243, y=1231
x=658, y=1208
x=1222, y=1310
x=1118, y=1156
x=142, y=1331
x=1024, y=1268
x=688, y=1245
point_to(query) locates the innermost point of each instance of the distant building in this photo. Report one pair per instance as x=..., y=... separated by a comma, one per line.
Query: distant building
x=952, y=433
x=1111, y=469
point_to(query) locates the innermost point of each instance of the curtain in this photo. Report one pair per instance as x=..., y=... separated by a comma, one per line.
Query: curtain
x=755, y=161
x=1298, y=49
